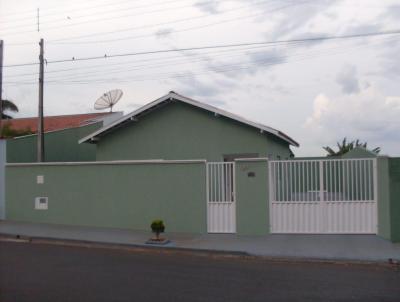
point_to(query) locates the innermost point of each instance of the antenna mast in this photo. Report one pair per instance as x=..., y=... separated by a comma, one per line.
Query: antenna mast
x=38, y=20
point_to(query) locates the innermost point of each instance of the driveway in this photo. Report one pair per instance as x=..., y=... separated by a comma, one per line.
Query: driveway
x=41, y=272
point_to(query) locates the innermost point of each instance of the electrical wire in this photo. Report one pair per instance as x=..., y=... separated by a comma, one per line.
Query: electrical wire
x=101, y=20
x=309, y=54
x=180, y=30
x=64, y=11
x=312, y=39
x=218, y=52
x=219, y=69
x=124, y=9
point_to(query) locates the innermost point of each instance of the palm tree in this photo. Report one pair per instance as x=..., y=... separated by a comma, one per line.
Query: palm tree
x=345, y=147
x=8, y=106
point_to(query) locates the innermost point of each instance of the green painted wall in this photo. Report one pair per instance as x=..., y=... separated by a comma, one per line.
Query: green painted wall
x=394, y=173
x=384, y=228
x=60, y=146
x=180, y=131
x=252, y=205
x=121, y=196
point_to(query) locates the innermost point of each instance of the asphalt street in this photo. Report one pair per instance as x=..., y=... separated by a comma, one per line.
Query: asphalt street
x=41, y=272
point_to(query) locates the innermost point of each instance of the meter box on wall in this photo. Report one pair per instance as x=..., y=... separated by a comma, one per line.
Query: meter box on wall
x=41, y=203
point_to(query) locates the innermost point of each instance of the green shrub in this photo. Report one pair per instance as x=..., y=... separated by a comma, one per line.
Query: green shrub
x=157, y=227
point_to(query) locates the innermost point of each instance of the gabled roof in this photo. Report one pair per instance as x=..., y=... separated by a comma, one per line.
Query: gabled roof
x=53, y=123
x=172, y=96
x=359, y=152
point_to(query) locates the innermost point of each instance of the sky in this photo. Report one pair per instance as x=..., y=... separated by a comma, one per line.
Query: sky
x=317, y=92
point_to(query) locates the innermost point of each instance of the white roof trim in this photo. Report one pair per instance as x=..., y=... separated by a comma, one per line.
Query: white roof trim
x=175, y=96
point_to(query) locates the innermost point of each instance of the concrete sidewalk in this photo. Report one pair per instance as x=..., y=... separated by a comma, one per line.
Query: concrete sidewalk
x=329, y=247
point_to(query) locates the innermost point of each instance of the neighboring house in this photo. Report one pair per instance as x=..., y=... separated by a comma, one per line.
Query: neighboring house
x=359, y=152
x=62, y=134
x=177, y=127
x=61, y=122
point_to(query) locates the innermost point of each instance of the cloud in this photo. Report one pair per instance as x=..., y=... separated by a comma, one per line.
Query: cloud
x=369, y=116
x=247, y=64
x=358, y=28
x=389, y=62
x=348, y=81
x=164, y=33
x=207, y=6
x=393, y=11
x=267, y=57
x=193, y=86
x=286, y=25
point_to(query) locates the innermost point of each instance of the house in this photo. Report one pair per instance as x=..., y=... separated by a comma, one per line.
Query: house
x=59, y=122
x=204, y=170
x=360, y=152
x=177, y=127
x=61, y=135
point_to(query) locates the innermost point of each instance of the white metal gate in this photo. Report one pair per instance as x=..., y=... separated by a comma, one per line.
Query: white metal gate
x=221, y=205
x=337, y=196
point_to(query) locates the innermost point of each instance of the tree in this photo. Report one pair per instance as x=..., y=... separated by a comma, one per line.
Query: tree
x=345, y=147
x=7, y=132
x=8, y=106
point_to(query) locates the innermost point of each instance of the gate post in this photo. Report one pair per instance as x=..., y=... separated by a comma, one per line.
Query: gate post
x=321, y=181
x=375, y=180
x=321, y=196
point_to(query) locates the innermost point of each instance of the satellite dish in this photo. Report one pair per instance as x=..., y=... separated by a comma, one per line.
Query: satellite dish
x=108, y=100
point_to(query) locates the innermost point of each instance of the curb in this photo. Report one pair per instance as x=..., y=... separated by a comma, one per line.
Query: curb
x=192, y=251
x=122, y=246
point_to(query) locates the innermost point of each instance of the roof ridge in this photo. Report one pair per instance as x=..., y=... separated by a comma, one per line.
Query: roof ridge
x=217, y=108
x=173, y=95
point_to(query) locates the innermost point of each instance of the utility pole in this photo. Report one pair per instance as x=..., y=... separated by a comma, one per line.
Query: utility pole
x=1, y=85
x=40, y=130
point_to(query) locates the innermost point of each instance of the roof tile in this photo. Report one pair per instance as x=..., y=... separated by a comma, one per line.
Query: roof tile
x=52, y=123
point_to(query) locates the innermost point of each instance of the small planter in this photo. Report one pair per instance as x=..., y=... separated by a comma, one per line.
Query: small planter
x=157, y=227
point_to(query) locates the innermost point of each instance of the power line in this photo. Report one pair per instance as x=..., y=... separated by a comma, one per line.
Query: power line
x=60, y=41
x=64, y=11
x=181, y=30
x=218, y=69
x=151, y=59
x=94, y=21
x=313, y=39
x=156, y=24
x=166, y=62
x=252, y=61
x=190, y=74
x=124, y=9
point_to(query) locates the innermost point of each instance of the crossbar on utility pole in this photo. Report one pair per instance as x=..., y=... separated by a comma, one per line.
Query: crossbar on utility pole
x=40, y=131
x=1, y=86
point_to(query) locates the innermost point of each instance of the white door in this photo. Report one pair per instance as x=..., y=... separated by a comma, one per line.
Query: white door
x=221, y=205
x=323, y=196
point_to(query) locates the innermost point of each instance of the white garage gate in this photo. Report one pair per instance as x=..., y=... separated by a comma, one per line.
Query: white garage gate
x=333, y=196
